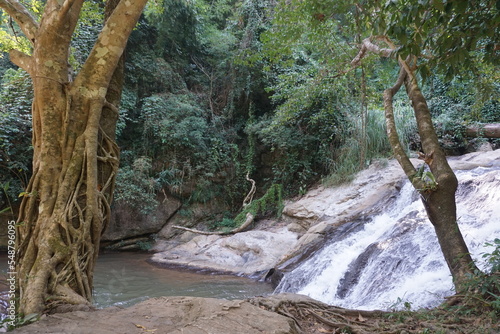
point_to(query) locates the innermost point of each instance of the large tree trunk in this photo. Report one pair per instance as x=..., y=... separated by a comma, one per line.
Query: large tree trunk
x=438, y=196
x=66, y=205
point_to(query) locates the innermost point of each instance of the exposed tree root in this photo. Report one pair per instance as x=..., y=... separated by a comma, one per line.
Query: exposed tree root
x=314, y=317
x=73, y=229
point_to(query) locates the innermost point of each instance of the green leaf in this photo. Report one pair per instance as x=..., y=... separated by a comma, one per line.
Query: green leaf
x=5, y=209
x=461, y=6
x=439, y=4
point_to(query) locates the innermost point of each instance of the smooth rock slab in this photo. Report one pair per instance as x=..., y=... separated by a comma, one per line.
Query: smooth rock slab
x=169, y=315
x=245, y=253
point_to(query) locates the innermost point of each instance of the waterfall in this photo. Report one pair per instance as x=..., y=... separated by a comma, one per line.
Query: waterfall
x=394, y=258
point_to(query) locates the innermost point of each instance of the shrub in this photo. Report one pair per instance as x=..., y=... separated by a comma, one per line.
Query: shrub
x=16, y=95
x=136, y=187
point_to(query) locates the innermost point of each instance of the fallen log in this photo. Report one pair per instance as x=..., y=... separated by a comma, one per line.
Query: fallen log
x=248, y=221
x=491, y=130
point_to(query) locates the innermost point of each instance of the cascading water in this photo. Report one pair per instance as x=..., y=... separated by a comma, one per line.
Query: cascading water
x=394, y=257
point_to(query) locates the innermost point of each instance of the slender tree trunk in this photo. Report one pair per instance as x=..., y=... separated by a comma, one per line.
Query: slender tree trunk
x=438, y=197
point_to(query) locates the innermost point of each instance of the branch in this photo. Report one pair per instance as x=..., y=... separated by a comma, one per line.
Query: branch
x=483, y=130
x=243, y=226
x=368, y=45
x=392, y=133
x=110, y=44
x=21, y=59
x=69, y=13
x=67, y=5
x=22, y=16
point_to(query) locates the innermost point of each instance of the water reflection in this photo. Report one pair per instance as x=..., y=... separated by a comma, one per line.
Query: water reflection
x=124, y=279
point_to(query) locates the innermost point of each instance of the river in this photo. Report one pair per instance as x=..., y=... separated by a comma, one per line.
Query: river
x=126, y=278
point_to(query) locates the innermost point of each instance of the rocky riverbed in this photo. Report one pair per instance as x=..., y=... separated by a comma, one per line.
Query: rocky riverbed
x=306, y=222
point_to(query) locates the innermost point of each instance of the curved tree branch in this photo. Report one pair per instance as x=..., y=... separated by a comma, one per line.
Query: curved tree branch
x=405, y=73
x=22, y=16
x=110, y=44
x=368, y=45
x=392, y=133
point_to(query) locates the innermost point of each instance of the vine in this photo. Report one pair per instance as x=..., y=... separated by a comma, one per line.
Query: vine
x=81, y=211
x=271, y=201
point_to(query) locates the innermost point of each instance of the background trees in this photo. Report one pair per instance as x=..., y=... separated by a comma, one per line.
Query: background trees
x=421, y=37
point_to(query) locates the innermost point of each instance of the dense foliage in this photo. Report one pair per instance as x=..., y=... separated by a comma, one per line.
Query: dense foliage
x=218, y=89
x=16, y=93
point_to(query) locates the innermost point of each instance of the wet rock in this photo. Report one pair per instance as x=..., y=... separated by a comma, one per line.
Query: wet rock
x=352, y=275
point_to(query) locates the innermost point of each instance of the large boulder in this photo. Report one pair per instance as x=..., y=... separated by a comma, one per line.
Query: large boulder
x=246, y=253
x=127, y=222
x=169, y=315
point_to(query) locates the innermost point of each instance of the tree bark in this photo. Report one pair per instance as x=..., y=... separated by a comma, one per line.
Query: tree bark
x=438, y=198
x=438, y=190
x=66, y=205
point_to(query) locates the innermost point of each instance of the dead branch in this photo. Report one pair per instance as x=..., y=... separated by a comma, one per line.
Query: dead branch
x=485, y=130
x=248, y=221
x=248, y=199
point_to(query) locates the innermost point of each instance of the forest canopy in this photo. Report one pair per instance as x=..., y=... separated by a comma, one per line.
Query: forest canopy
x=217, y=89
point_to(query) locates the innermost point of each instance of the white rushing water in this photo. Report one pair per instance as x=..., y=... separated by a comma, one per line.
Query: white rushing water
x=394, y=258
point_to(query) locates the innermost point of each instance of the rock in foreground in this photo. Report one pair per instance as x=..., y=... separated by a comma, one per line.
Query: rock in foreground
x=172, y=315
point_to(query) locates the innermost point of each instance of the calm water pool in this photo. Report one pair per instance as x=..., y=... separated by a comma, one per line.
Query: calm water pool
x=126, y=278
